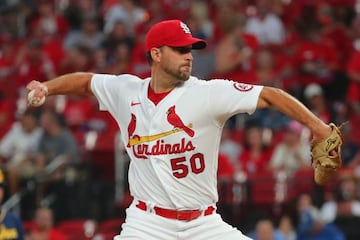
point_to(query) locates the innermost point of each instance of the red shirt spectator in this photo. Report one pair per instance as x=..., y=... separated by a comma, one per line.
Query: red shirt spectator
x=254, y=162
x=43, y=228
x=256, y=154
x=48, y=19
x=225, y=168
x=33, y=63
x=52, y=234
x=316, y=59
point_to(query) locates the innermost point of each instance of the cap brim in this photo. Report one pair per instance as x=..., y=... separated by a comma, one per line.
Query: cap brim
x=201, y=44
x=196, y=43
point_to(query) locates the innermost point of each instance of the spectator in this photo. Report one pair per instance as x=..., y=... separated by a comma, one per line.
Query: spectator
x=89, y=34
x=285, y=63
x=118, y=34
x=316, y=56
x=77, y=112
x=316, y=101
x=48, y=19
x=174, y=9
x=18, y=147
x=76, y=11
x=265, y=25
x=310, y=224
x=345, y=203
x=11, y=226
x=335, y=28
x=92, y=230
x=33, y=63
x=127, y=11
x=201, y=26
x=139, y=64
x=44, y=226
x=344, y=209
x=228, y=146
x=120, y=59
x=225, y=169
x=264, y=71
x=256, y=153
x=55, y=141
x=156, y=10
x=264, y=230
x=50, y=44
x=293, y=152
x=200, y=18
x=350, y=149
x=77, y=58
x=286, y=228
x=56, y=161
x=234, y=52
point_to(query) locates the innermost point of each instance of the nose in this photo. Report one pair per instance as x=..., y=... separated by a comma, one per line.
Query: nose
x=189, y=56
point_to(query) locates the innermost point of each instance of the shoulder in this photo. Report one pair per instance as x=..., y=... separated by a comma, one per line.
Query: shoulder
x=196, y=81
x=329, y=204
x=66, y=135
x=197, y=84
x=10, y=216
x=127, y=77
x=239, y=86
x=16, y=128
x=117, y=80
x=273, y=18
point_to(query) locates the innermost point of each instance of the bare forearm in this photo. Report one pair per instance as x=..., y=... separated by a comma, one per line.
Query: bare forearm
x=72, y=83
x=290, y=106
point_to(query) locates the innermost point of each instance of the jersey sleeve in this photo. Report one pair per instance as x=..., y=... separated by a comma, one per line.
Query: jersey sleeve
x=227, y=98
x=106, y=88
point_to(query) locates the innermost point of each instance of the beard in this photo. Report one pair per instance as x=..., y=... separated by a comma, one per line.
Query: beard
x=178, y=74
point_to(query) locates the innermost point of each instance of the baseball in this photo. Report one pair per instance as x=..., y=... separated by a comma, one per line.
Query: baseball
x=33, y=101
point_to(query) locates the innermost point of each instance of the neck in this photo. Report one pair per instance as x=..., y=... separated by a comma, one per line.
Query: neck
x=162, y=82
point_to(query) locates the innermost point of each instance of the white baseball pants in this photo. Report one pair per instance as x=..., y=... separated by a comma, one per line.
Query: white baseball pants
x=146, y=225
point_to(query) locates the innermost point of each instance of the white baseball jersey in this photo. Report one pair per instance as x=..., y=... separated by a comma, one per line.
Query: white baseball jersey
x=173, y=146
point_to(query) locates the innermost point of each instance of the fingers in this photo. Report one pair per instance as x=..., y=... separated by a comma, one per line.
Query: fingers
x=32, y=85
x=40, y=89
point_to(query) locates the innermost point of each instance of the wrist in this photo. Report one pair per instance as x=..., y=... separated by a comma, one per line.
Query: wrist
x=321, y=131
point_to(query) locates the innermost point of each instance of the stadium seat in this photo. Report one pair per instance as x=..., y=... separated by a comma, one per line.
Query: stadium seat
x=72, y=227
x=111, y=226
x=262, y=190
x=303, y=181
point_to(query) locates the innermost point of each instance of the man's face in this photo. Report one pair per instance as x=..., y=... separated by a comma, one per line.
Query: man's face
x=44, y=219
x=177, y=62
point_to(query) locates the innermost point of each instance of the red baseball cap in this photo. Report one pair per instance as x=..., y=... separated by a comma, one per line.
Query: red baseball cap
x=172, y=33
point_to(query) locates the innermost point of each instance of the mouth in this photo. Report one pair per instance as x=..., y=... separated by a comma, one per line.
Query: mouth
x=187, y=68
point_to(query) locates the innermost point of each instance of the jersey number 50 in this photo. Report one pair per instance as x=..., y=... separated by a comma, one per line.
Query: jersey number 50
x=181, y=169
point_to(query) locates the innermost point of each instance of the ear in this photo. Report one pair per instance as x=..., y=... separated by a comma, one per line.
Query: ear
x=155, y=54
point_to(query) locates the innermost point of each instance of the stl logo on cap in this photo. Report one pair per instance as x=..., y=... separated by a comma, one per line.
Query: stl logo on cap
x=185, y=27
x=172, y=33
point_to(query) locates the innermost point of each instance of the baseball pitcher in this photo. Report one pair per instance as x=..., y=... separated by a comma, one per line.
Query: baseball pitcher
x=171, y=124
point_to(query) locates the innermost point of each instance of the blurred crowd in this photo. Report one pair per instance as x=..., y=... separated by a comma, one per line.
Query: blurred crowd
x=309, y=48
